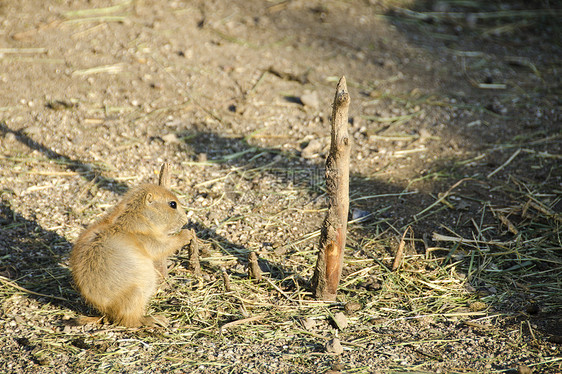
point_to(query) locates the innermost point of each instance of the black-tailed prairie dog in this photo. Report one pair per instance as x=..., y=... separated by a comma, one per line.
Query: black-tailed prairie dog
x=116, y=262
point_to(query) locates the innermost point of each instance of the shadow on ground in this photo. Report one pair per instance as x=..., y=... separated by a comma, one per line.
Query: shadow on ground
x=33, y=258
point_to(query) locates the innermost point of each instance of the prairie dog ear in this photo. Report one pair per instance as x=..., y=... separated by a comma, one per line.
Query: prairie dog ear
x=148, y=198
x=165, y=179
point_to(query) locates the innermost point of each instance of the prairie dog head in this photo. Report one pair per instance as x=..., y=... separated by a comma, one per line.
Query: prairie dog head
x=163, y=209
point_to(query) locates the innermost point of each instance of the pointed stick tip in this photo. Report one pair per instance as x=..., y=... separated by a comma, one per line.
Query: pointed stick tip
x=342, y=82
x=165, y=179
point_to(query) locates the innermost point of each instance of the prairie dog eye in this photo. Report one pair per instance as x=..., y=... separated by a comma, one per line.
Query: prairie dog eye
x=173, y=204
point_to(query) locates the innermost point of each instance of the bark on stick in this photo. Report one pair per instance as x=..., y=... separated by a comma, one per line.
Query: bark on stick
x=226, y=280
x=334, y=229
x=253, y=267
x=193, y=264
x=400, y=251
x=164, y=180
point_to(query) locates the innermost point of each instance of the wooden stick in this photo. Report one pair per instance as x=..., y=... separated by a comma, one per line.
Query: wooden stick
x=253, y=267
x=241, y=321
x=193, y=264
x=329, y=264
x=400, y=251
x=164, y=180
x=225, y=280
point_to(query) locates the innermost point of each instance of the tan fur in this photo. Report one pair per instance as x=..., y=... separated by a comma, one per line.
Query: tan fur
x=115, y=261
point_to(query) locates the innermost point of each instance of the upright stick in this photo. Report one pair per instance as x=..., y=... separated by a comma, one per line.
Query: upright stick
x=334, y=229
x=164, y=180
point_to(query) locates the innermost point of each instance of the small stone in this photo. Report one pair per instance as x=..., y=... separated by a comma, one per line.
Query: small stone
x=338, y=366
x=468, y=287
x=359, y=214
x=10, y=137
x=477, y=306
x=462, y=205
x=524, y=369
x=310, y=99
x=334, y=346
x=341, y=320
x=60, y=104
x=352, y=306
x=170, y=138
x=309, y=323
x=532, y=308
x=202, y=157
x=424, y=135
x=32, y=130
x=312, y=149
x=80, y=343
x=43, y=360
x=370, y=284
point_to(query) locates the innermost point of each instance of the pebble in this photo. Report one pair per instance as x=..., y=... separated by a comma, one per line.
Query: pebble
x=477, y=306
x=371, y=284
x=359, y=214
x=352, y=306
x=309, y=323
x=312, y=149
x=334, y=346
x=10, y=137
x=424, y=135
x=32, y=130
x=310, y=99
x=170, y=138
x=337, y=366
x=341, y=320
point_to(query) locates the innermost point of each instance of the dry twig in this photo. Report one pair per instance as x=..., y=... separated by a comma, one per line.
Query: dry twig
x=334, y=229
x=253, y=267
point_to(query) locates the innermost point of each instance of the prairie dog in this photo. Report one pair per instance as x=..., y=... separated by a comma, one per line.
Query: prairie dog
x=116, y=262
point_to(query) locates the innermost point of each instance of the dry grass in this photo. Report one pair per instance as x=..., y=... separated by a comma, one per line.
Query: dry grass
x=509, y=269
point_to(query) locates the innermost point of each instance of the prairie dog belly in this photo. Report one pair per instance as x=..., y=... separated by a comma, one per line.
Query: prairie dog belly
x=118, y=269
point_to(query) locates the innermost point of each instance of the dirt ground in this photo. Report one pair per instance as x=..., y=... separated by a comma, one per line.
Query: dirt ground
x=457, y=144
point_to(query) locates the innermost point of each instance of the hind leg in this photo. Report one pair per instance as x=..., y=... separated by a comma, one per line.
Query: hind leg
x=128, y=309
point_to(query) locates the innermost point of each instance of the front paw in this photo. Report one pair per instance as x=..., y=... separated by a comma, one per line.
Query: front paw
x=187, y=235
